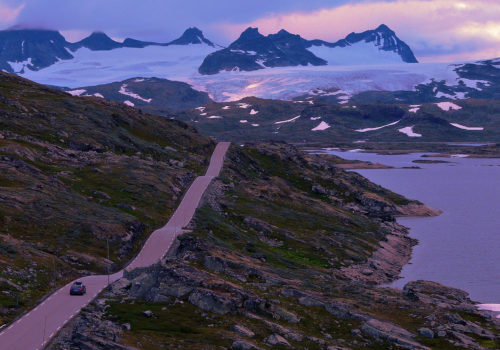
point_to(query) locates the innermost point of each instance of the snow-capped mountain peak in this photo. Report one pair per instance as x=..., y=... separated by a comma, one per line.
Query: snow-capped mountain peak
x=383, y=38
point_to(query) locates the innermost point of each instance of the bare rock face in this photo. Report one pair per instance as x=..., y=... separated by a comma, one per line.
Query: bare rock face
x=392, y=333
x=422, y=289
x=213, y=302
x=242, y=330
x=278, y=340
x=244, y=345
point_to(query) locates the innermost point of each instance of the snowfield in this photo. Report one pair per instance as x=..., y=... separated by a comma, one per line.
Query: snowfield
x=446, y=106
x=321, y=126
x=345, y=71
x=355, y=54
x=179, y=62
x=409, y=131
x=87, y=68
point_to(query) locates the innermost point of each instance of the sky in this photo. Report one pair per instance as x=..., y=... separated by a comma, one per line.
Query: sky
x=436, y=30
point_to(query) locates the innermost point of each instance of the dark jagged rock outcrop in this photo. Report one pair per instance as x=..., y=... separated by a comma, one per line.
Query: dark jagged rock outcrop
x=191, y=36
x=253, y=51
x=97, y=41
x=36, y=47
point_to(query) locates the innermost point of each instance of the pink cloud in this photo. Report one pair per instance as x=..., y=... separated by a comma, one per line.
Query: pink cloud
x=450, y=27
x=9, y=14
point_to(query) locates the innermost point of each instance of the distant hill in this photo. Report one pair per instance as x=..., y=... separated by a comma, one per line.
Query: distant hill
x=148, y=94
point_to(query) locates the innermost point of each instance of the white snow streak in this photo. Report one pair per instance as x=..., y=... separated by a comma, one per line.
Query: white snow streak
x=123, y=90
x=463, y=127
x=378, y=127
x=288, y=120
x=128, y=103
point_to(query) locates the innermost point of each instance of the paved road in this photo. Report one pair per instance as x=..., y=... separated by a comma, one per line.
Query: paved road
x=36, y=328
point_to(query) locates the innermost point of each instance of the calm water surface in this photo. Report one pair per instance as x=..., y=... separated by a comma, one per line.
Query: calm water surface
x=461, y=247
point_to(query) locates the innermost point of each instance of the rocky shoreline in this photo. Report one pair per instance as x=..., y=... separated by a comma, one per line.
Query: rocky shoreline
x=218, y=288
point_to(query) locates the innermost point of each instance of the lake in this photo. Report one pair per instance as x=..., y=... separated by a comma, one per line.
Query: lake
x=461, y=247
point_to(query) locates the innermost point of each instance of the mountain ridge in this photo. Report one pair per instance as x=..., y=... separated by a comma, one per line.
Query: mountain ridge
x=36, y=49
x=253, y=51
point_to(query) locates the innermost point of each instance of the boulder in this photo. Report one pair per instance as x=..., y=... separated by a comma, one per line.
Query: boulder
x=276, y=339
x=148, y=313
x=242, y=330
x=211, y=301
x=426, y=332
x=392, y=333
x=243, y=345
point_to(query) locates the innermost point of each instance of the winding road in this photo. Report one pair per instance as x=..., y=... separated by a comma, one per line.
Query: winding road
x=34, y=329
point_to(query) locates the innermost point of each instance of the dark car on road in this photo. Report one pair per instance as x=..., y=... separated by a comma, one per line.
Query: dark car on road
x=78, y=288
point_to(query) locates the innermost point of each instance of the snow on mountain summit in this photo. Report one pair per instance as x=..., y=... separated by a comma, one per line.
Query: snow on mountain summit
x=380, y=45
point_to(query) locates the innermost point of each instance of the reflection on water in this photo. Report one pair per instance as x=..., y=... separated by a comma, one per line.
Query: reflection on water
x=460, y=248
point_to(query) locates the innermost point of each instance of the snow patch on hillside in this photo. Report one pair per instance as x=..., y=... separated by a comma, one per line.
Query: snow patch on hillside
x=76, y=92
x=409, y=131
x=129, y=103
x=446, y=106
x=123, y=90
x=253, y=112
x=321, y=126
x=414, y=108
x=474, y=83
x=18, y=67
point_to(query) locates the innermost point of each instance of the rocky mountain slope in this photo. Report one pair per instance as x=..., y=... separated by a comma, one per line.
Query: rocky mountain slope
x=331, y=118
x=284, y=252
x=254, y=51
x=75, y=173
x=480, y=79
x=149, y=94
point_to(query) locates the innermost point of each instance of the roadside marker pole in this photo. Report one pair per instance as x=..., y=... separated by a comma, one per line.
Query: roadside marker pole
x=44, y=326
x=107, y=245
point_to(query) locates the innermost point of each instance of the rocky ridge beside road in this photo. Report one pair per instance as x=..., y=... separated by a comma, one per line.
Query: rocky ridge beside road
x=239, y=280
